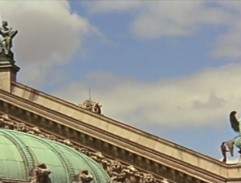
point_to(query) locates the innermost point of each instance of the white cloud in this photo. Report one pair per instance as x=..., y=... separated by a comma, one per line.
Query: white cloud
x=163, y=18
x=49, y=34
x=157, y=19
x=201, y=99
x=114, y=6
x=175, y=19
x=229, y=45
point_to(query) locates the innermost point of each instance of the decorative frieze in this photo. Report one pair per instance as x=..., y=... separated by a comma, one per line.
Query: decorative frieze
x=118, y=171
x=89, y=142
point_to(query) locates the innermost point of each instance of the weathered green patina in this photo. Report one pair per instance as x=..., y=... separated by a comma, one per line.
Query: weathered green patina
x=21, y=152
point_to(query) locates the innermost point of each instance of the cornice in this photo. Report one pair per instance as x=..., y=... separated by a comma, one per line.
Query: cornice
x=203, y=168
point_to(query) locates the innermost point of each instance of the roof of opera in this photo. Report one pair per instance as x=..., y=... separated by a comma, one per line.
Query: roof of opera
x=21, y=152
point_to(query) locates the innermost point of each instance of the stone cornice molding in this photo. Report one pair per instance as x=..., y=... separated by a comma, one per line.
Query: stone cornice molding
x=108, y=164
x=191, y=163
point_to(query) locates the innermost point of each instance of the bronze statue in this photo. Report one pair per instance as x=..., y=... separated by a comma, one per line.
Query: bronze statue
x=228, y=146
x=6, y=36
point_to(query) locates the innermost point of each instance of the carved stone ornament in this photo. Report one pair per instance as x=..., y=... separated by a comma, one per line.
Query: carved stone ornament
x=83, y=177
x=118, y=172
x=92, y=106
x=41, y=174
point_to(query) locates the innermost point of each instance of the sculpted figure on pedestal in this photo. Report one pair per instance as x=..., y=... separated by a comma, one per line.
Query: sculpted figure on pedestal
x=228, y=146
x=6, y=36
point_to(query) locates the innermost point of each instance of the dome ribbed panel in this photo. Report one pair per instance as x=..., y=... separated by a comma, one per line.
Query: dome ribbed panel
x=63, y=159
x=92, y=166
x=26, y=155
x=21, y=152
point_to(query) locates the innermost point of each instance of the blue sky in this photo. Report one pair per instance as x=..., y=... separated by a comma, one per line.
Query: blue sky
x=171, y=68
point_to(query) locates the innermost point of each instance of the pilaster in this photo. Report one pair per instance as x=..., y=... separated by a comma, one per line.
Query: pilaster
x=8, y=71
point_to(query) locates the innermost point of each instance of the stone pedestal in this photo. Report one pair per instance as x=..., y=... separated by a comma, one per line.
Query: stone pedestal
x=8, y=71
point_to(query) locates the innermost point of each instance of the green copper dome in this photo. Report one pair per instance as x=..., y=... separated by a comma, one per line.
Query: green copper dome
x=21, y=152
